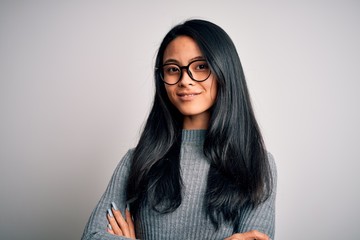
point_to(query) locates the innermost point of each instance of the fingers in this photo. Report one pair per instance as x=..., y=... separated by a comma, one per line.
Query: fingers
x=251, y=235
x=259, y=235
x=130, y=222
x=109, y=229
x=113, y=223
x=118, y=225
x=121, y=221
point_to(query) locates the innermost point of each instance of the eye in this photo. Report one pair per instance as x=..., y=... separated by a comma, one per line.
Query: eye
x=171, y=69
x=201, y=66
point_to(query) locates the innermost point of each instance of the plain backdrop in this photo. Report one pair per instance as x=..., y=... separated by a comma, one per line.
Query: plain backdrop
x=76, y=84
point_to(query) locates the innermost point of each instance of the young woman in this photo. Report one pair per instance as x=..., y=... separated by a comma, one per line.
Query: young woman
x=200, y=169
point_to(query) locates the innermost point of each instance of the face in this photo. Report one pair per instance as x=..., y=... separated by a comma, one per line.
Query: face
x=193, y=99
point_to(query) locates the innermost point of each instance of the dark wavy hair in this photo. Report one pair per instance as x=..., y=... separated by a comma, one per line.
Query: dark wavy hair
x=239, y=173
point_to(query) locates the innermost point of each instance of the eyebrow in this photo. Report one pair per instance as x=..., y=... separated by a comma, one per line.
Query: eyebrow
x=172, y=60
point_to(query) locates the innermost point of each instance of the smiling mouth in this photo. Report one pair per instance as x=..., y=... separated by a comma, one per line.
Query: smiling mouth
x=188, y=95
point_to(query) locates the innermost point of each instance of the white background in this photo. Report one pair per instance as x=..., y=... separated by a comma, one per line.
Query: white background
x=76, y=86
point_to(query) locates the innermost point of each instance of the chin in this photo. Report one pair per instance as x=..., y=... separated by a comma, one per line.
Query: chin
x=189, y=113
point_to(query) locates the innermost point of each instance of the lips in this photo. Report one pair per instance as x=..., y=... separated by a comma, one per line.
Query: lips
x=182, y=94
x=187, y=95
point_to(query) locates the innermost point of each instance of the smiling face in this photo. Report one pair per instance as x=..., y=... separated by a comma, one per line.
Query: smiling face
x=193, y=99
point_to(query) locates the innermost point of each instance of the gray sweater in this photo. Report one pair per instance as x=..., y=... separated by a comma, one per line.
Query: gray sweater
x=189, y=221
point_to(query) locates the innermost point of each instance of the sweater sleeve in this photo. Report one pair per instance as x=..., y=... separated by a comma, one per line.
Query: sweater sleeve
x=96, y=227
x=262, y=218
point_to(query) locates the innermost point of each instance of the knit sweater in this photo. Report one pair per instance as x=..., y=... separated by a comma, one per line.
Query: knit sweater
x=189, y=221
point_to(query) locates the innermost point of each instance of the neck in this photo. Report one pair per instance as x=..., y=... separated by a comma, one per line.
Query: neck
x=197, y=121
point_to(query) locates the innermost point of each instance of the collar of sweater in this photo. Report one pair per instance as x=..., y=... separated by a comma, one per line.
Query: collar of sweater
x=193, y=136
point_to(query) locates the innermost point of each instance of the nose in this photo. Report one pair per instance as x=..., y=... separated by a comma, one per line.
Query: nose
x=185, y=78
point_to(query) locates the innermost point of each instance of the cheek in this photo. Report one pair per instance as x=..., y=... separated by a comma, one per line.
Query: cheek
x=213, y=89
x=170, y=91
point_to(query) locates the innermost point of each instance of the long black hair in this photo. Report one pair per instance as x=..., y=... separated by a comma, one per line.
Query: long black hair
x=239, y=173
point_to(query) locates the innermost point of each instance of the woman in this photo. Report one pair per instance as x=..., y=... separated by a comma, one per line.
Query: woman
x=200, y=169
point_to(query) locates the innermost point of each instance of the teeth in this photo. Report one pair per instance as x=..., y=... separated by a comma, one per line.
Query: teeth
x=188, y=95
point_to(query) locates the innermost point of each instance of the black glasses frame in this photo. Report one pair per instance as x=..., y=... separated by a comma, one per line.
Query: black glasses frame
x=187, y=68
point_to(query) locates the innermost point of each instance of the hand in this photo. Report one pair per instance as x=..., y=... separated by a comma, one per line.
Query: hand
x=252, y=235
x=118, y=225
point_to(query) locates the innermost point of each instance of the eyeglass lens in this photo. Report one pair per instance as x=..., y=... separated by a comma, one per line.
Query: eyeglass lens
x=197, y=70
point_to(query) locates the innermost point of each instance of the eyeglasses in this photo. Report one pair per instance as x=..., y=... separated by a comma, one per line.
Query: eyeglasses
x=197, y=70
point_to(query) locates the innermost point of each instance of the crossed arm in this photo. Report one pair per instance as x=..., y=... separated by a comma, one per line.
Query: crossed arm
x=118, y=225
x=113, y=225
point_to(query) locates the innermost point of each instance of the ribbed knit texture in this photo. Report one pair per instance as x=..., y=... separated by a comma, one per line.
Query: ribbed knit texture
x=189, y=221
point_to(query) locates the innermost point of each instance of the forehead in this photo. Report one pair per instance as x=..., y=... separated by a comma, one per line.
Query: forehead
x=182, y=49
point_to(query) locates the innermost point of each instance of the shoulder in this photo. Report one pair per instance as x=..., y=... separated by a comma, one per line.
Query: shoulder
x=273, y=169
x=271, y=161
x=126, y=159
x=123, y=166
